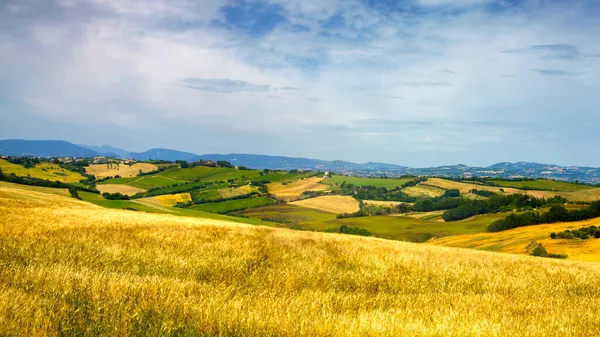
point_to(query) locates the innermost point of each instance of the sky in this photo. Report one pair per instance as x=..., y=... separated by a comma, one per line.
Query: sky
x=411, y=82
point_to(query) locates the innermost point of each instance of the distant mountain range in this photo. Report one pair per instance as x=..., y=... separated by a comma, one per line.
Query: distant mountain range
x=57, y=148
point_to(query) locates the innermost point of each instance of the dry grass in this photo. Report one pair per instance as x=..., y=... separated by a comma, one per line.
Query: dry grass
x=337, y=204
x=296, y=188
x=466, y=187
x=117, y=188
x=46, y=171
x=423, y=191
x=383, y=203
x=113, y=169
x=173, y=199
x=70, y=268
x=236, y=191
x=515, y=240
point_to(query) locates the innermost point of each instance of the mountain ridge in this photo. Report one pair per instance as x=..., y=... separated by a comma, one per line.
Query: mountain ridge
x=59, y=148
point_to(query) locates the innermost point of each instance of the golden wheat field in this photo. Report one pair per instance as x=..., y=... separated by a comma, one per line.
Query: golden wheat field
x=337, y=204
x=173, y=199
x=123, y=170
x=422, y=190
x=466, y=187
x=288, y=191
x=515, y=240
x=119, y=188
x=71, y=268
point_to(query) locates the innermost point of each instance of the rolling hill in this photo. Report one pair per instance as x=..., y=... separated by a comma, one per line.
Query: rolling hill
x=72, y=266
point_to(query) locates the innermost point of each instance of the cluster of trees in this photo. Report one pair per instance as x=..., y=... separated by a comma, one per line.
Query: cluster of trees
x=27, y=162
x=536, y=249
x=74, y=193
x=581, y=233
x=13, y=178
x=557, y=213
x=483, y=193
x=497, y=203
x=115, y=196
x=349, y=230
x=374, y=193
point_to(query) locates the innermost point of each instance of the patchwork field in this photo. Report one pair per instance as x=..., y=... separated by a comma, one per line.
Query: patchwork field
x=46, y=171
x=543, y=184
x=73, y=268
x=515, y=240
x=424, y=191
x=464, y=187
x=337, y=180
x=295, y=189
x=173, y=199
x=383, y=203
x=229, y=206
x=114, y=169
x=336, y=204
x=116, y=188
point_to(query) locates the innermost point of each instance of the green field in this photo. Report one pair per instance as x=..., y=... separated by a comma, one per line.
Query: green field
x=387, y=227
x=542, y=184
x=46, y=171
x=336, y=180
x=207, y=195
x=232, y=205
x=137, y=206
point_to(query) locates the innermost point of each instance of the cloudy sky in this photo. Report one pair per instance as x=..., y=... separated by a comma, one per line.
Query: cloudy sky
x=412, y=82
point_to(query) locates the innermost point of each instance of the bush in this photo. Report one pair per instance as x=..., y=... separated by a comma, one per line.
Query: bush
x=115, y=196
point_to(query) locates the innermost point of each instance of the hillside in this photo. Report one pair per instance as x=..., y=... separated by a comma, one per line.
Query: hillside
x=71, y=266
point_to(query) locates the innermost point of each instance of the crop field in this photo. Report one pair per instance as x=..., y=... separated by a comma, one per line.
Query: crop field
x=23, y=188
x=115, y=169
x=119, y=188
x=231, y=192
x=383, y=203
x=515, y=240
x=543, y=184
x=46, y=171
x=229, y=206
x=464, y=187
x=73, y=268
x=337, y=180
x=173, y=199
x=145, y=182
x=403, y=228
x=295, y=189
x=336, y=204
x=205, y=173
x=423, y=191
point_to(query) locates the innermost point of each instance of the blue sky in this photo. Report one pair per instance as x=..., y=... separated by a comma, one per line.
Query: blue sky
x=414, y=82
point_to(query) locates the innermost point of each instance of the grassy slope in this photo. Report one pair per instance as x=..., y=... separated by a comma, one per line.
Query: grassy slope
x=357, y=181
x=388, y=227
x=543, y=184
x=46, y=171
x=71, y=268
x=233, y=205
x=515, y=240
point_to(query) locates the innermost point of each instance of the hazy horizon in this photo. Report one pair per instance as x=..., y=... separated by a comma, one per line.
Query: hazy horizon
x=418, y=83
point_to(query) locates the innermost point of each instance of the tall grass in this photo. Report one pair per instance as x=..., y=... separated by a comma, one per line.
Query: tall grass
x=70, y=268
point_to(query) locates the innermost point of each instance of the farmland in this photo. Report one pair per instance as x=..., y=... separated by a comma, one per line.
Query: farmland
x=336, y=204
x=173, y=199
x=118, y=188
x=422, y=190
x=337, y=180
x=233, y=205
x=541, y=184
x=515, y=240
x=119, y=169
x=288, y=191
x=71, y=266
x=46, y=171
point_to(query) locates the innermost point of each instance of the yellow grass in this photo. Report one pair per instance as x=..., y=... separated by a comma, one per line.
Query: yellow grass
x=118, y=188
x=515, y=240
x=383, y=203
x=113, y=169
x=22, y=188
x=466, y=187
x=296, y=188
x=70, y=268
x=173, y=199
x=236, y=191
x=46, y=171
x=337, y=204
x=423, y=191
x=591, y=194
